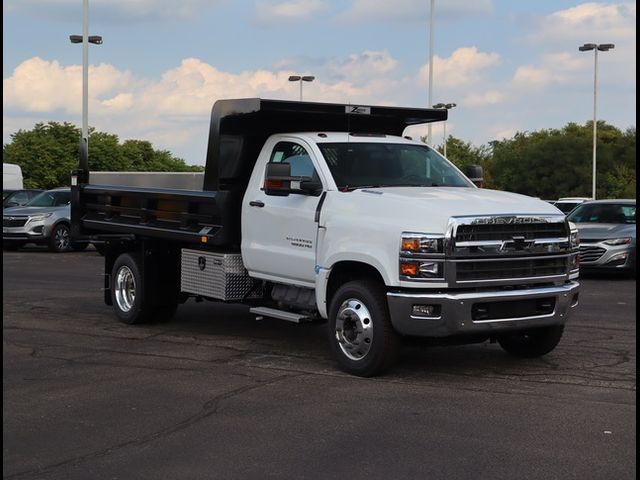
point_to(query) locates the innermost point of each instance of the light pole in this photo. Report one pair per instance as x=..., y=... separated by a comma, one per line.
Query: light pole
x=85, y=39
x=431, y=21
x=448, y=106
x=603, y=47
x=298, y=78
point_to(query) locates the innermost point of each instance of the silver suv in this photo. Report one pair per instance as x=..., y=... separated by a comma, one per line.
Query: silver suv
x=46, y=219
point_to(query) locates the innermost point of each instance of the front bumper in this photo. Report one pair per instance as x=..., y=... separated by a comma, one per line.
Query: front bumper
x=600, y=256
x=34, y=232
x=482, y=312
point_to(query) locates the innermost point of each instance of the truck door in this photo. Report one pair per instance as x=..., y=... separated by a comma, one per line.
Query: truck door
x=279, y=234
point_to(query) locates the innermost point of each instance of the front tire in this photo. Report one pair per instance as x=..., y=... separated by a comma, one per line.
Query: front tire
x=60, y=240
x=531, y=343
x=361, y=336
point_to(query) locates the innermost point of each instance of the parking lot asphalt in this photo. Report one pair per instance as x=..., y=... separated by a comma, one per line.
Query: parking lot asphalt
x=216, y=394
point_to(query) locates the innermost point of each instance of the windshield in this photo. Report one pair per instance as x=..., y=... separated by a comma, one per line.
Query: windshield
x=358, y=165
x=6, y=193
x=566, y=207
x=51, y=199
x=619, y=213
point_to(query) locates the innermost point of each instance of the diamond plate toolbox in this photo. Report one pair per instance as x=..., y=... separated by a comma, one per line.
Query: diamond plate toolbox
x=217, y=275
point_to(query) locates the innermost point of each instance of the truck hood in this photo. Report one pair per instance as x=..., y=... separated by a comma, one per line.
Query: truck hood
x=429, y=208
x=32, y=210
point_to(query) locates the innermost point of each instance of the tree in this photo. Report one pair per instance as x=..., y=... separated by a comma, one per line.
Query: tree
x=49, y=152
x=462, y=154
x=557, y=163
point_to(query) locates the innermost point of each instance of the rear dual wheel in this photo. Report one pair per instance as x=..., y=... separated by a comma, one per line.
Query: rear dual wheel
x=128, y=295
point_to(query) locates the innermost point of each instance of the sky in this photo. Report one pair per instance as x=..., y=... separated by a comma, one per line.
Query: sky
x=509, y=66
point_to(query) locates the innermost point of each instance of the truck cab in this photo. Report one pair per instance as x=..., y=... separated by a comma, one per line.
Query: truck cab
x=343, y=220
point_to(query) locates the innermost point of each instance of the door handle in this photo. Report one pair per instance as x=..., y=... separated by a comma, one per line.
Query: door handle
x=256, y=203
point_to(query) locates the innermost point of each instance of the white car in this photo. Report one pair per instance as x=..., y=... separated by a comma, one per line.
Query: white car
x=566, y=204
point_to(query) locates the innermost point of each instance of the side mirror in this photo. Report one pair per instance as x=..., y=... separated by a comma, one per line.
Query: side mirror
x=277, y=179
x=475, y=174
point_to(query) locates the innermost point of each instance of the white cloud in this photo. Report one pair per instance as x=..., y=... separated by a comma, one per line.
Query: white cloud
x=463, y=67
x=362, y=66
x=173, y=110
x=589, y=22
x=275, y=13
x=38, y=85
x=413, y=11
x=475, y=99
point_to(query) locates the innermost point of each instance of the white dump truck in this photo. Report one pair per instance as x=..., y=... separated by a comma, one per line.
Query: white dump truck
x=326, y=212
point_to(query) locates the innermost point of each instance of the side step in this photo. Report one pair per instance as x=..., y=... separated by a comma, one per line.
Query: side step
x=280, y=314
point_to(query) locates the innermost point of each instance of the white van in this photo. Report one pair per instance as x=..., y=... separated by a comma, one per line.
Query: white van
x=11, y=177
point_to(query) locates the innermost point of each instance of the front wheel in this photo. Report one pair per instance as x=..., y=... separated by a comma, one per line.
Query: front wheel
x=533, y=342
x=60, y=240
x=360, y=331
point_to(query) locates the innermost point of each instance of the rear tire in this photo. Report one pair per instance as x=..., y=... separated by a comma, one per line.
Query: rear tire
x=128, y=293
x=531, y=343
x=127, y=290
x=361, y=336
x=60, y=240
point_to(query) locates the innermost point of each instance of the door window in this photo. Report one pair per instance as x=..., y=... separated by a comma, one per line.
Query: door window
x=295, y=155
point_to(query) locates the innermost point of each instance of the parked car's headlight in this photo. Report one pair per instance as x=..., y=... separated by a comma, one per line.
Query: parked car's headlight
x=39, y=217
x=619, y=241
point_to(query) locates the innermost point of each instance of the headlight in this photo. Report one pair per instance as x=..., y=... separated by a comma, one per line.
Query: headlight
x=39, y=217
x=417, y=243
x=574, y=238
x=619, y=241
x=421, y=269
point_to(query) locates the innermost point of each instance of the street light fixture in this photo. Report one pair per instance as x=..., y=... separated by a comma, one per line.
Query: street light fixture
x=303, y=78
x=603, y=47
x=85, y=39
x=448, y=106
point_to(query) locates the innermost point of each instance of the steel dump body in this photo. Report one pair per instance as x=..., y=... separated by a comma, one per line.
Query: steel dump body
x=237, y=133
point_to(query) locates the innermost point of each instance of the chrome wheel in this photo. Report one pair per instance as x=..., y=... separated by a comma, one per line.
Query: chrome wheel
x=354, y=329
x=125, y=288
x=61, y=239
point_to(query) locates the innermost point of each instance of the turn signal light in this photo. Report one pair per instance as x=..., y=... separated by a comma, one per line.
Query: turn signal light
x=409, y=269
x=273, y=184
x=411, y=244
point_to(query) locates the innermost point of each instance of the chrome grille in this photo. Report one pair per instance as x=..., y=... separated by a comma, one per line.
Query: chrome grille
x=511, y=269
x=508, y=249
x=13, y=222
x=590, y=253
x=530, y=231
